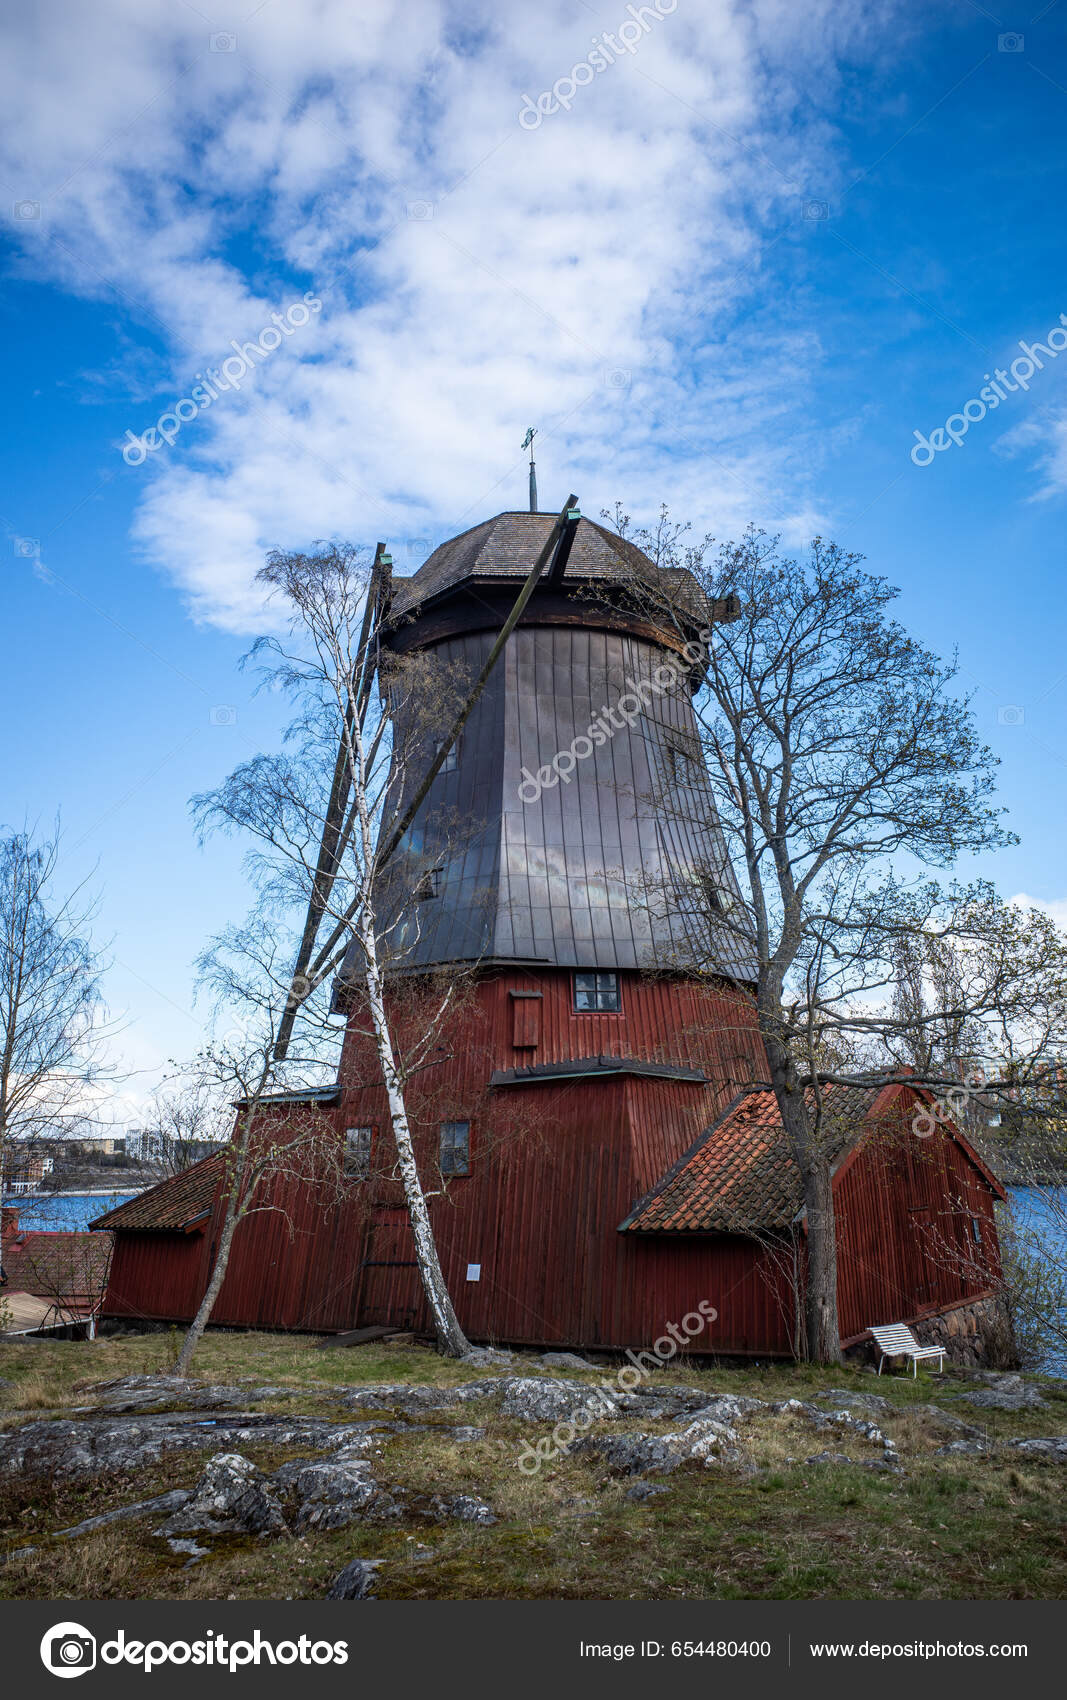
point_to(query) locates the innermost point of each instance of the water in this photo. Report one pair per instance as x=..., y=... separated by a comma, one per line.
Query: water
x=64, y=1211
x=1042, y=1213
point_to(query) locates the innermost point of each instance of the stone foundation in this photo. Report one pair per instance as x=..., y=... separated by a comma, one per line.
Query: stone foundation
x=975, y=1335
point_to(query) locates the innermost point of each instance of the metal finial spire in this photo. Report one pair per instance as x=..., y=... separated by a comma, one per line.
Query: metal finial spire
x=527, y=443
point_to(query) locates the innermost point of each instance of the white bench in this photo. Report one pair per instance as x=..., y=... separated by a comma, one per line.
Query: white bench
x=897, y=1341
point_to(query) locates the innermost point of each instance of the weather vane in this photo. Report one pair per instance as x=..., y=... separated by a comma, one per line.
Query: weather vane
x=527, y=443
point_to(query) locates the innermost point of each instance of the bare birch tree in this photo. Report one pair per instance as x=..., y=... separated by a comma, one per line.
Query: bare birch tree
x=282, y=802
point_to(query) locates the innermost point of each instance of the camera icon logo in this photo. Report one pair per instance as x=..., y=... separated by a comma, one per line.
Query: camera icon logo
x=223, y=714
x=617, y=378
x=1011, y=714
x=223, y=42
x=68, y=1649
x=29, y=548
x=26, y=210
x=420, y=209
x=815, y=209
x=1010, y=43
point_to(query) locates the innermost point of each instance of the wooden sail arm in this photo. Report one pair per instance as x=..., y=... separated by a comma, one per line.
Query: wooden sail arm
x=558, y=542
x=557, y=545
x=332, y=847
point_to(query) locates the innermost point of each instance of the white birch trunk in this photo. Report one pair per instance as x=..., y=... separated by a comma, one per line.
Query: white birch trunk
x=451, y=1339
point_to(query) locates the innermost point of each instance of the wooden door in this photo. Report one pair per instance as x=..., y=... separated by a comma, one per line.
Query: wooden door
x=391, y=1294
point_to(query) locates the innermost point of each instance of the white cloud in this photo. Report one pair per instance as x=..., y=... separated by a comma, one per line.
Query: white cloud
x=1046, y=437
x=210, y=188
x=1055, y=908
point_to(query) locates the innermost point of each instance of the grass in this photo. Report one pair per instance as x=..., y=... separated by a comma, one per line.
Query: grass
x=949, y=1528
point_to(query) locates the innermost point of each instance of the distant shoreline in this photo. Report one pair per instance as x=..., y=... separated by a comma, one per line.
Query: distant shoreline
x=20, y=1198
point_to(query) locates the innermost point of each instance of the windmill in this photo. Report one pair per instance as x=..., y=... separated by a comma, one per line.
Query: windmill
x=312, y=965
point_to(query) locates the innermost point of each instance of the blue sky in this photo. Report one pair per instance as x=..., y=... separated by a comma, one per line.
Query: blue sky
x=756, y=254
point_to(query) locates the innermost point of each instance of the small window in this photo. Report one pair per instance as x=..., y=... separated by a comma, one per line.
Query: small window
x=993, y=1119
x=358, y=1142
x=682, y=765
x=976, y=1230
x=596, y=992
x=717, y=898
x=455, y=1153
x=451, y=761
x=430, y=884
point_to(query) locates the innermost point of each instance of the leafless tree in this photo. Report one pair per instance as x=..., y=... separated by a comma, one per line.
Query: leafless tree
x=186, y=1117
x=282, y=803
x=53, y=1026
x=845, y=771
x=272, y=1146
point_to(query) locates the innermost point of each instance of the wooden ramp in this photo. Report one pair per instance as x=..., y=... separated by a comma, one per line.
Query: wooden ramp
x=356, y=1337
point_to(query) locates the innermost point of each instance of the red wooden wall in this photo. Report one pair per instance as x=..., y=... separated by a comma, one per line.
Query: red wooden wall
x=554, y=1168
x=904, y=1205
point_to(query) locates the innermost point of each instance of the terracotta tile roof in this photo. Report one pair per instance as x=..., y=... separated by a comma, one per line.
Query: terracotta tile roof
x=65, y=1267
x=171, y=1206
x=740, y=1175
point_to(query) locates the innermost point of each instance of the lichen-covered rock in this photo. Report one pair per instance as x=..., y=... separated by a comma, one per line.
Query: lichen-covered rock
x=330, y=1493
x=355, y=1581
x=160, y=1503
x=728, y=1408
x=484, y=1357
x=402, y=1396
x=1011, y=1395
x=232, y=1497
x=565, y=1360
x=153, y=1392
x=414, y=1400
x=838, y=1419
x=633, y=1454
x=542, y=1399
x=1053, y=1446
x=95, y=1445
x=845, y=1398
x=704, y=1441
x=467, y=1508
x=642, y=1490
x=939, y=1422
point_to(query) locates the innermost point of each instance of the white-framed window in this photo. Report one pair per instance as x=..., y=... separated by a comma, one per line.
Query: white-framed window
x=358, y=1142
